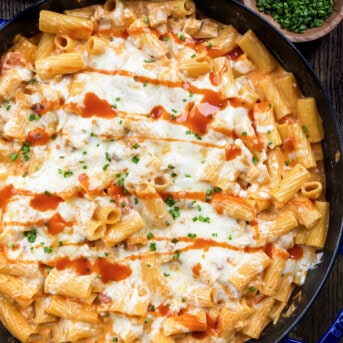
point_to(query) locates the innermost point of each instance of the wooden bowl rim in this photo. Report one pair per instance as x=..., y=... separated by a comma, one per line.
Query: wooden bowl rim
x=310, y=34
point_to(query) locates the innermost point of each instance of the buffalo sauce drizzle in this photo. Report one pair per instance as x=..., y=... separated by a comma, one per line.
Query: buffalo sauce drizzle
x=56, y=224
x=44, y=202
x=108, y=271
x=5, y=195
x=94, y=106
x=37, y=137
x=296, y=252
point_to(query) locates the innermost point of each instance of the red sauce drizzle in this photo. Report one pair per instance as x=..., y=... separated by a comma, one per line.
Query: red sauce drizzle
x=81, y=265
x=37, y=137
x=94, y=106
x=289, y=143
x=196, y=269
x=43, y=202
x=56, y=224
x=212, y=329
x=296, y=253
x=234, y=54
x=199, y=118
x=232, y=151
x=191, y=322
x=157, y=112
x=268, y=249
x=111, y=271
x=163, y=310
x=107, y=270
x=5, y=195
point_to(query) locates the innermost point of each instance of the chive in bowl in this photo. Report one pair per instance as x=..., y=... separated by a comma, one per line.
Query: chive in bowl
x=310, y=34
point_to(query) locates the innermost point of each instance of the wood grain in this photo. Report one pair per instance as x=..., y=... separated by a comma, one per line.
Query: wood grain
x=326, y=57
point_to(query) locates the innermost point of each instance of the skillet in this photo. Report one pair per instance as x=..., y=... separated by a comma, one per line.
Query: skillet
x=232, y=12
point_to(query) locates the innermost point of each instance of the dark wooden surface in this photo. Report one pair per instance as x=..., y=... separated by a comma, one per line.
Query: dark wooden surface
x=326, y=56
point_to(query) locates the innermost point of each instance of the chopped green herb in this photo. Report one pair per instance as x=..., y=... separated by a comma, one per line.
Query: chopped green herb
x=67, y=173
x=194, y=55
x=174, y=212
x=192, y=235
x=252, y=289
x=146, y=20
x=170, y=201
x=33, y=117
x=145, y=83
x=174, y=111
x=182, y=37
x=152, y=60
x=165, y=38
x=104, y=167
x=177, y=254
x=48, y=250
x=190, y=94
x=254, y=160
x=305, y=129
x=114, y=106
x=244, y=133
x=106, y=253
x=146, y=320
x=152, y=246
x=115, y=339
x=31, y=235
x=170, y=166
x=183, y=300
x=217, y=189
x=214, y=234
x=209, y=46
x=60, y=243
x=230, y=238
x=14, y=156
x=32, y=81
x=135, y=146
x=174, y=240
x=135, y=159
x=149, y=235
x=188, y=175
x=47, y=193
x=166, y=274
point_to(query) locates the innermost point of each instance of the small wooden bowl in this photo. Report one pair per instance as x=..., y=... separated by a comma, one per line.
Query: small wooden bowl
x=310, y=34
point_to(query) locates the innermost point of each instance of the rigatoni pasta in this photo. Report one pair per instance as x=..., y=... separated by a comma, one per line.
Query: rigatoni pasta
x=168, y=174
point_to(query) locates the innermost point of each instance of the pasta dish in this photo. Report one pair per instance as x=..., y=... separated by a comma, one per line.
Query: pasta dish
x=161, y=179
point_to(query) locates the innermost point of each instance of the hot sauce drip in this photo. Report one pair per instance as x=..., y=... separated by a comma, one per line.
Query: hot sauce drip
x=199, y=118
x=196, y=269
x=111, y=271
x=108, y=271
x=234, y=54
x=56, y=224
x=212, y=329
x=94, y=106
x=157, y=112
x=5, y=195
x=232, y=151
x=37, y=137
x=296, y=253
x=45, y=202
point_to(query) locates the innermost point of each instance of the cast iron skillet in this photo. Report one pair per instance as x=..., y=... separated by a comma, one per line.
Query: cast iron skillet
x=231, y=12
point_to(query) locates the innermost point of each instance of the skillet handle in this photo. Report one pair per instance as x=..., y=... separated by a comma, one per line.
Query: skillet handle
x=3, y=22
x=333, y=335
